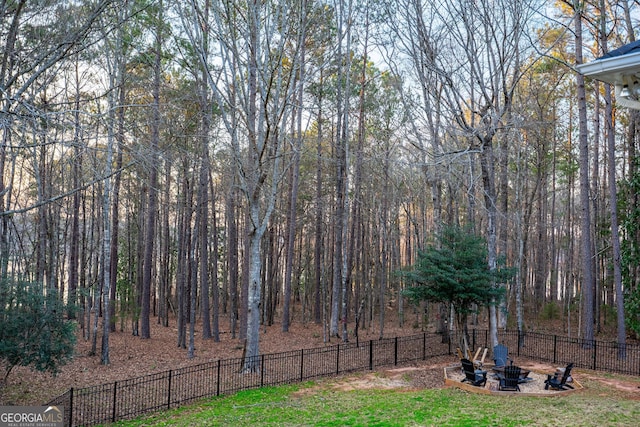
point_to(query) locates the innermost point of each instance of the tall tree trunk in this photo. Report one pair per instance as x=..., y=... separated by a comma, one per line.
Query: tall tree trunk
x=165, y=256
x=182, y=269
x=615, y=234
x=568, y=226
x=243, y=306
x=150, y=228
x=319, y=235
x=613, y=196
x=541, y=259
x=117, y=183
x=116, y=82
x=339, y=294
x=106, y=241
x=74, y=238
x=251, y=361
x=232, y=259
x=6, y=68
x=354, y=247
x=384, y=239
x=42, y=225
x=202, y=214
x=598, y=241
x=194, y=242
x=339, y=212
x=291, y=234
x=256, y=226
x=520, y=272
x=554, y=249
x=270, y=273
x=293, y=200
x=488, y=180
x=202, y=219
x=215, y=323
x=588, y=282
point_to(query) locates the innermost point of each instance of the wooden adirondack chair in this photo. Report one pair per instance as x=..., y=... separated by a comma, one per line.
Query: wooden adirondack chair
x=556, y=383
x=474, y=376
x=510, y=379
x=500, y=355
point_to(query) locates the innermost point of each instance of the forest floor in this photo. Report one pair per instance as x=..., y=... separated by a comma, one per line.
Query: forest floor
x=131, y=356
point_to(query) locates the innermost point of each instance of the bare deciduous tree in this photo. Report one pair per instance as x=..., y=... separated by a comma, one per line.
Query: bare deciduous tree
x=478, y=68
x=253, y=81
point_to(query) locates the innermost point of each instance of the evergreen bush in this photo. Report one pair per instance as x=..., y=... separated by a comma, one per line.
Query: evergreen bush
x=33, y=329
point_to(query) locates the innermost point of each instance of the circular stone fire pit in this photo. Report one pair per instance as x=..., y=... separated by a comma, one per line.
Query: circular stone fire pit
x=453, y=377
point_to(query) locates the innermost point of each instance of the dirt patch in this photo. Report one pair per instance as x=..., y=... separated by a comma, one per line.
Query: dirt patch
x=372, y=381
x=406, y=378
x=625, y=385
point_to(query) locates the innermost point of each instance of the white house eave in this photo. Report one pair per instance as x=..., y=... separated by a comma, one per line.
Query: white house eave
x=614, y=70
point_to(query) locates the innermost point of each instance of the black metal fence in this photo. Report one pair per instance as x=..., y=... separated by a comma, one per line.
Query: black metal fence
x=129, y=398
x=588, y=354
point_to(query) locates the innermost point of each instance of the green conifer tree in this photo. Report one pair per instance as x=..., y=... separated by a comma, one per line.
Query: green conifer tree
x=456, y=272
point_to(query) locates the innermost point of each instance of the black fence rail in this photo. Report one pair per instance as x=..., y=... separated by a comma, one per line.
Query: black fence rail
x=136, y=396
x=588, y=354
x=133, y=397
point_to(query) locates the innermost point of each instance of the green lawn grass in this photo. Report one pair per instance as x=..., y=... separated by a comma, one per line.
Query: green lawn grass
x=312, y=404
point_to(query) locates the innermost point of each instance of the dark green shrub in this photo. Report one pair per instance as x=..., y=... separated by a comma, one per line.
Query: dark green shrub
x=33, y=329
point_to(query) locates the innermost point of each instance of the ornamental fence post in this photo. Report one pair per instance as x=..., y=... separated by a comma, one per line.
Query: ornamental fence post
x=113, y=413
x=218, y=384
x=371, y=355
x=71, y=407
x=395, y=352
x=169, y=390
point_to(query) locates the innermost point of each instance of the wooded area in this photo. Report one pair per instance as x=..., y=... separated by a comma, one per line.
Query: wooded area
x=229, y=164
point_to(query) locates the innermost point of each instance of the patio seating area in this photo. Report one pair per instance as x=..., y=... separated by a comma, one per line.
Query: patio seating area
x=453, y=377
x=503, y=378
